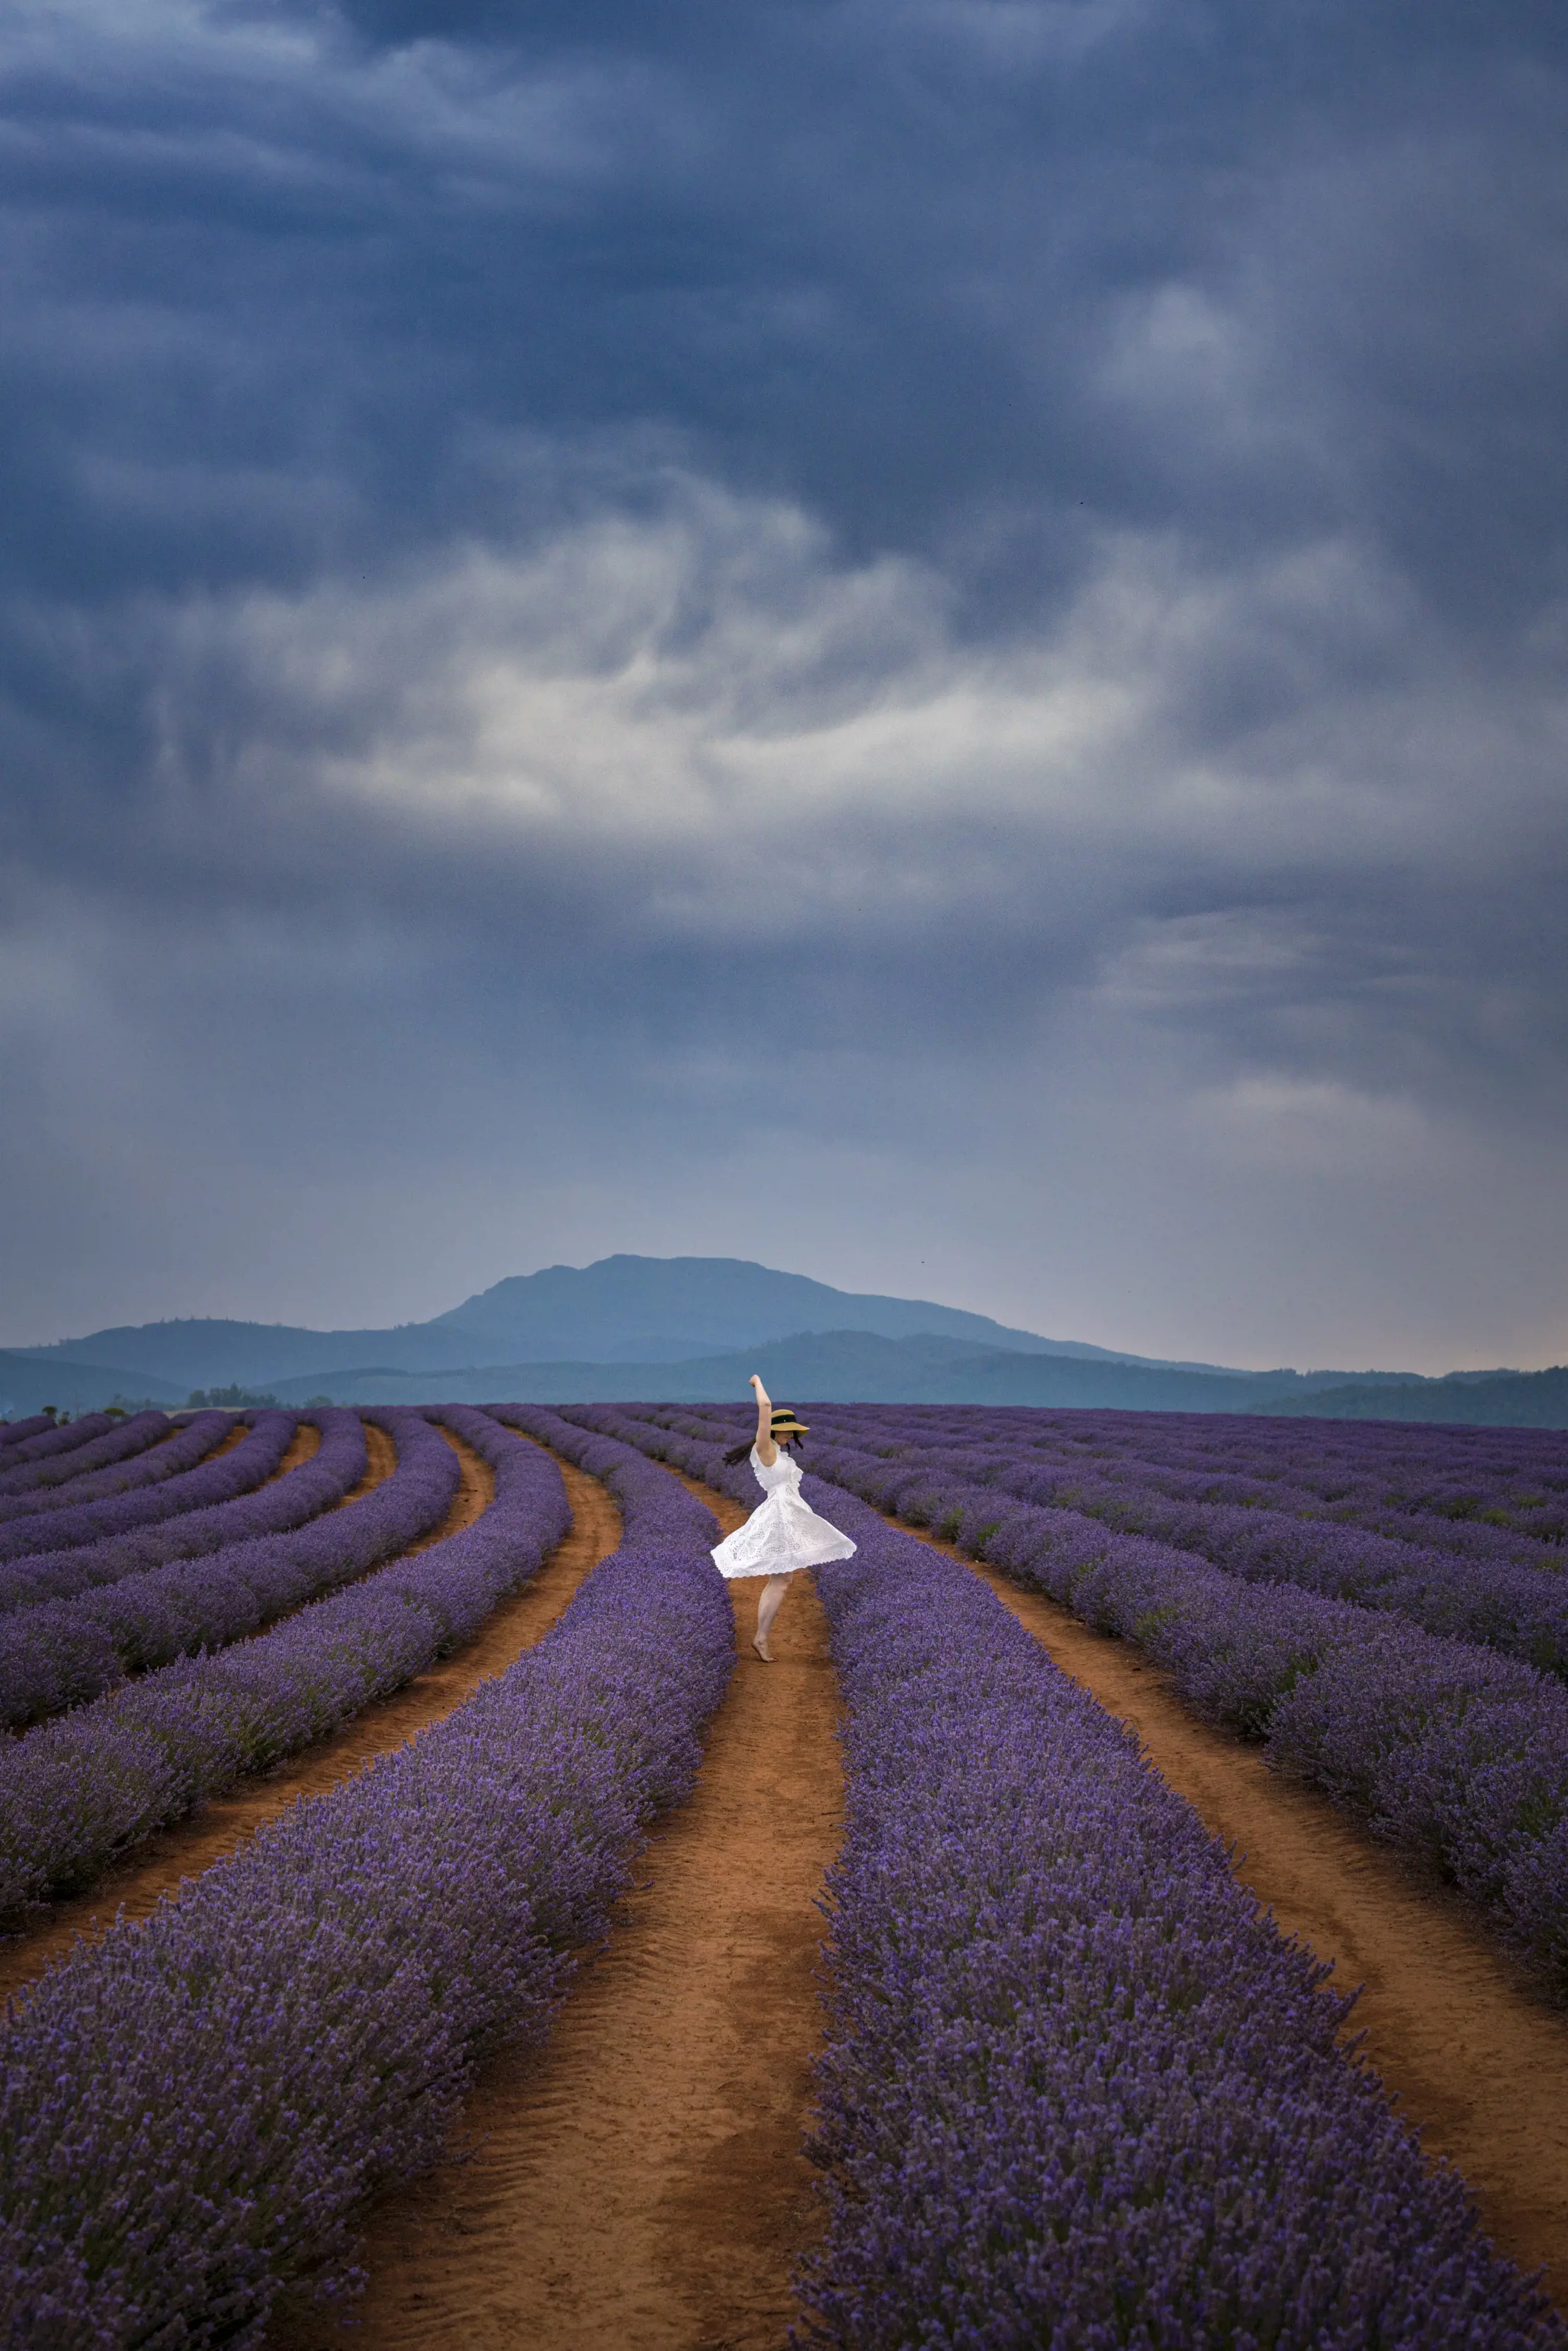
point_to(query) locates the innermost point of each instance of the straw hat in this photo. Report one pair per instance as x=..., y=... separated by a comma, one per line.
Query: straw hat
x=785, y=1423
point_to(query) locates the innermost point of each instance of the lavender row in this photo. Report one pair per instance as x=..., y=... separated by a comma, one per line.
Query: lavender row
x=1502, y=1477
x=1387, y=1472
x=202, y=1484
x=1458, y=1757
x=81, y=1792
x=616, y=1460
x=54, y=1438
x=1517, y=1610
x=179, y=1449
x=1143, y=1485
x=195, y=2111
x=245, y=1497
x=1404, y=1454
x=120, y=1441
x=685, y=1437
x=1076, y=2091
x=66, y=1651
x=19, y=1432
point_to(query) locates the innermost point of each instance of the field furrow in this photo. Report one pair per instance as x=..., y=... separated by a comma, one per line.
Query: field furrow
x=1472, y=2058
x=640, y=2181
x=366, y=1953
x=302, y=1447
x=1458, y=2036
x=226, y=1824
x=1455, y=1755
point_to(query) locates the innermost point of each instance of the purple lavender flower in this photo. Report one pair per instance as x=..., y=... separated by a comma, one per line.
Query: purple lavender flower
x=194, y=2110
x=1076, y=2092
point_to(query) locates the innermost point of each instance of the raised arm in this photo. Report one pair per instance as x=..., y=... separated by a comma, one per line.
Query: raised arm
x=766, y=1452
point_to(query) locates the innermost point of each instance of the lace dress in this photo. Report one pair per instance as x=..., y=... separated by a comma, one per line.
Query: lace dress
x=783, y=1532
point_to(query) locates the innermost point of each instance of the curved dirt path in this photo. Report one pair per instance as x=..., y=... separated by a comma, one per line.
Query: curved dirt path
x=639, y=2182
x=1472, y=2057
x=225, y=1823
x=381, y=1461
x=303, y=1445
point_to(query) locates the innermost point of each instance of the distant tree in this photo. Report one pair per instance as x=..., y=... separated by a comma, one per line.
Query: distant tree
x=230, y=1396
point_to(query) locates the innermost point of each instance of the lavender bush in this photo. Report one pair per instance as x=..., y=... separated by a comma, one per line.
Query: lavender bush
x=1076, y=2092
x=1450, y=1485
x=264, y=1503
x=1457, y=1755
x=1516, y=1610
x=80, y=1792
x=18, y=1432
x=194, y=2111
x=62, y=1652
x=699, y=1452
x=1149, y=1493
x=180, y=1449
x=121, y=1441
x=199, y=1489
x=52, y=1440
x=609, y=1456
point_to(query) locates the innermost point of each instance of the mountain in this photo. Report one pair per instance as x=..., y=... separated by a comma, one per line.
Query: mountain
x=204, y=1355
x=839, y=1366
x=624, y=1308
x=1489, y=1399
x=598, y=1313
x=26, y=1384
x=692, y=1329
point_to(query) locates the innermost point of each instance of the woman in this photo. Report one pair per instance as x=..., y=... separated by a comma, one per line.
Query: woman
x=783, y=1534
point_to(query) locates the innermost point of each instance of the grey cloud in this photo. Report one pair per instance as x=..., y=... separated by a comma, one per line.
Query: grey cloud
x=1086, y=513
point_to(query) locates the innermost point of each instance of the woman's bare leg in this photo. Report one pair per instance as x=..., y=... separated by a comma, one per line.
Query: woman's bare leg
x=772, y=1593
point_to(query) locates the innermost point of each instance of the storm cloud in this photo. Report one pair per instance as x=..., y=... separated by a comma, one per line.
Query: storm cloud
x=924, y=642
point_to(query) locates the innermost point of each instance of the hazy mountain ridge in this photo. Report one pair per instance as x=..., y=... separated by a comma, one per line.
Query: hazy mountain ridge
x=1488, y=1399
x=613, y=1311
x=641, y=1327
x=28, y=1383
x=838, y=1365
x=857, y=1366
x=593, y=1313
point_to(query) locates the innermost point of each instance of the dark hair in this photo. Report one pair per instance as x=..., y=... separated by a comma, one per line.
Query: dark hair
x=782, y=1439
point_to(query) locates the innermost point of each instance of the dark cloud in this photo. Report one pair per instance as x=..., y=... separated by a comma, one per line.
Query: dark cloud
x=656, y=624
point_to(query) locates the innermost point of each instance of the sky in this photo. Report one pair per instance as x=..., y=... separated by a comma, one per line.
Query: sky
x=922, y=640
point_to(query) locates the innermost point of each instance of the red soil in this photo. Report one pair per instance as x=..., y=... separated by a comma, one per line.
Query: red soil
x=639, y=2182
x=1466, y=2048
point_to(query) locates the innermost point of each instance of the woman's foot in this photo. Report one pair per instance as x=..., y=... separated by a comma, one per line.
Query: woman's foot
x=762, y=1649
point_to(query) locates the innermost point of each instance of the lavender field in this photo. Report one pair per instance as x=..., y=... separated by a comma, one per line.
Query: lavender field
x=1072, y=2086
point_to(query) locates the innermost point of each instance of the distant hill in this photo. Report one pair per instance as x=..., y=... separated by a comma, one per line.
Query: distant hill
x=28, y=1383
x=857, y=1366
x=841, y=1367
x=690, y=1330
x=702, y=1306
x=1493, y=1399
x=622, y=1309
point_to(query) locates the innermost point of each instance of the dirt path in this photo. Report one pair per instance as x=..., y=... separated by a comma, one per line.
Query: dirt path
x=221, y=1827
x=1472, y=2058
x=638, y=2185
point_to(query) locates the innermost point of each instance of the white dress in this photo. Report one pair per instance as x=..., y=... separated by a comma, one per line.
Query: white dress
x=783, y=1532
